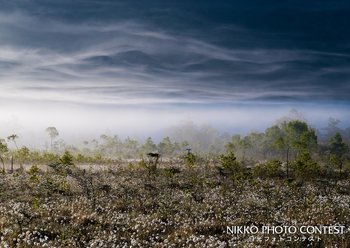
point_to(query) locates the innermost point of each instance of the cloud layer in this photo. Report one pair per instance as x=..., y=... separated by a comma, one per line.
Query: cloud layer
x=105, y=53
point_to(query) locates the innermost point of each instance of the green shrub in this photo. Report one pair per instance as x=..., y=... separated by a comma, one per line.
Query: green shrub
x=229, y=162
x=34, y=174
x=142, y=163
x=190, y=160
x=48, y=157
x=305, y=167
x=170, y=172
x=81, y=158
x=231, y=168
x=67, y=159
x=269, y=169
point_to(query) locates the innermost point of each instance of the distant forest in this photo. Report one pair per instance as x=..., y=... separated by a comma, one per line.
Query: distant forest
x=289, y=139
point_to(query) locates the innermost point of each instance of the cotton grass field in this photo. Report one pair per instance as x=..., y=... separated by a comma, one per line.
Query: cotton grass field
x=124, y=205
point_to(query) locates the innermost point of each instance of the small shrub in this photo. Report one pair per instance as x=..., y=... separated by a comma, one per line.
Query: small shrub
x=150, y=165
x=48, y=157
x=142, y=163
x=35, y=203
x=306, y=168
x=131, y=166
x=81, y=158
x=67, y=159
x=229, y=162
x=347, y=167
x=170, y=172
x=63, y=186
x=34, y=174
x=269, y=169
x=190, y=160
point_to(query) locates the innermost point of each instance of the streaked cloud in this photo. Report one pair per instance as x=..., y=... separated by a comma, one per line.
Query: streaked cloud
x=127, y=61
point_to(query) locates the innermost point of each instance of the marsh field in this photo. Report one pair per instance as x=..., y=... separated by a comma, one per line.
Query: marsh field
x=175, y=204
x=110, y=192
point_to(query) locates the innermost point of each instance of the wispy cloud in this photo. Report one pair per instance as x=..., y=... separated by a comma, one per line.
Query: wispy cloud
x=137, y=63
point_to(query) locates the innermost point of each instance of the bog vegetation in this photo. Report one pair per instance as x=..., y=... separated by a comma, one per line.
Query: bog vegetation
x=181, y=192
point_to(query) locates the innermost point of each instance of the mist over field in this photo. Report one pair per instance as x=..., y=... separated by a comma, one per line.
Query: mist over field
x=77, y=124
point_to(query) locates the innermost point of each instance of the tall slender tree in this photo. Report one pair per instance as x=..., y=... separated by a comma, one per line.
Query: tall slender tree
x=53, y=133
x=3, y=150
x=337, y=149
x=13, y=138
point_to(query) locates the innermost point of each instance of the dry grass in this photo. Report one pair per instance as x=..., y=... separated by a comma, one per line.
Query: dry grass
x=122, y=206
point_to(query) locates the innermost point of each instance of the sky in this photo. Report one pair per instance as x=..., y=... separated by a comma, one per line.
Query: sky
x=136, y=67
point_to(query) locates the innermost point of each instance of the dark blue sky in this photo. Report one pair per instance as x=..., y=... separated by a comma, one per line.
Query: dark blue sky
x=174, y=55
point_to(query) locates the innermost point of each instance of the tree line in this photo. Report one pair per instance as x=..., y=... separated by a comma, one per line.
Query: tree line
x=292, y=142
